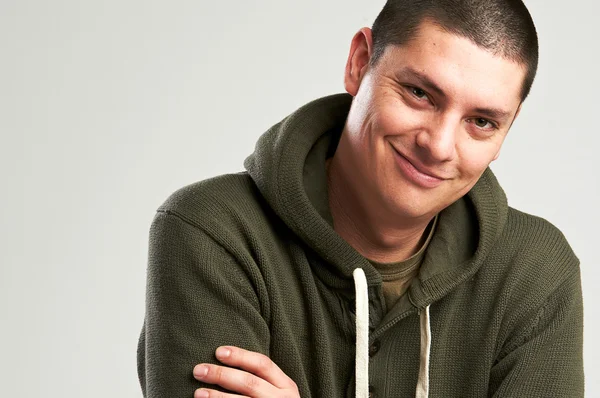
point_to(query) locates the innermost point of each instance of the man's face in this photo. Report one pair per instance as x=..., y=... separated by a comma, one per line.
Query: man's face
x=427, y=120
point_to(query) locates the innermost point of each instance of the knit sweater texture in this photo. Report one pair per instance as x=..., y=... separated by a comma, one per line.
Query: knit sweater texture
x=251, y=260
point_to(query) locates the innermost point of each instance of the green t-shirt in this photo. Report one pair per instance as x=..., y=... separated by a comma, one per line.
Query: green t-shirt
x=398, y=275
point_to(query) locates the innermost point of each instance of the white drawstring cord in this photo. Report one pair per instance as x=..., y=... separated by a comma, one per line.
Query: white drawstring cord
x=423, y=381
x=362, y=341
x=362, y=334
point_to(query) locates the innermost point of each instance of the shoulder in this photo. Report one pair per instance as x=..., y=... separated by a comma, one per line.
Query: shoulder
x=198, y=195
x=216, y=199
x=535, y=255
x=536, y=235
x=229, y=208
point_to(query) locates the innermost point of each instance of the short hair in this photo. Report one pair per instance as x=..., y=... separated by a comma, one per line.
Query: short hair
x=503, y=27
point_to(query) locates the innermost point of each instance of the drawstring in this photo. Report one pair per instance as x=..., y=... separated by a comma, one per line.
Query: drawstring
x=423, y=381
x=362, y=341
x=362, y=334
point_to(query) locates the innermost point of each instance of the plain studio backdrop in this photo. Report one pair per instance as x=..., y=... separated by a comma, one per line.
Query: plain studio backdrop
x=107, y=107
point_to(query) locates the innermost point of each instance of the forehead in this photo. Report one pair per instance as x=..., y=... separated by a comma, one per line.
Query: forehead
x=463, y=70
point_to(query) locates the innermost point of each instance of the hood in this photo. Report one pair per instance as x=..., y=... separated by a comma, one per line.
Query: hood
x=288, y=167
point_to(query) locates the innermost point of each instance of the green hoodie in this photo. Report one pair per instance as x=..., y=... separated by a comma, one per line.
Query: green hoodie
x=251, y=260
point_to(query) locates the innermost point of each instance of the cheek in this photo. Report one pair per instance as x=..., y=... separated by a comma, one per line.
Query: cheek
x=395, y=117
x=475, y=158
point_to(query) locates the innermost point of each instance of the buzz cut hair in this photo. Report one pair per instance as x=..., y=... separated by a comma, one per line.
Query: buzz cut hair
x=503, y=27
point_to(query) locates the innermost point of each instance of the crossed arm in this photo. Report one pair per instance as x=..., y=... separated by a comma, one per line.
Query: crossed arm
x=187, y=305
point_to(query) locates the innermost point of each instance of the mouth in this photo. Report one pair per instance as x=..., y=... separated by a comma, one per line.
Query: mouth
x=416, y=172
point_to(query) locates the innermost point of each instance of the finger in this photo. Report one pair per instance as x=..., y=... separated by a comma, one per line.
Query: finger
x=234, y=380
x=208, y=393
x=255, y=363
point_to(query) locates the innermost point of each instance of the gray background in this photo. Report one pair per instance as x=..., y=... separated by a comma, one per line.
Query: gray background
x=107, y=107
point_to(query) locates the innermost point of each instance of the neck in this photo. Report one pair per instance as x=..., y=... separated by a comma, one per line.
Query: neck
x=370, y=230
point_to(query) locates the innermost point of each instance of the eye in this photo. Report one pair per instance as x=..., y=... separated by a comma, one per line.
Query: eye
x=417, y=92
x=482, y=123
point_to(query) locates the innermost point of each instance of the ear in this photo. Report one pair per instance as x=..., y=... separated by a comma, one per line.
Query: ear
x=358, y=60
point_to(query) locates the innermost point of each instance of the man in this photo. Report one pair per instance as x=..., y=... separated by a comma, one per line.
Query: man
x=368, y=249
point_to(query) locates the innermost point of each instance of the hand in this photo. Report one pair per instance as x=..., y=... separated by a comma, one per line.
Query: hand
x=257, y=376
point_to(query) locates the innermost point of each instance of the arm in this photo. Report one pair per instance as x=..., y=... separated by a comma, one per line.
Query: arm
x=198, y=298
x=544, y=358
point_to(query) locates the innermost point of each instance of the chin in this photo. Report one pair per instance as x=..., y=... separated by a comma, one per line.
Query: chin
x=415, y=203
x=411, y=208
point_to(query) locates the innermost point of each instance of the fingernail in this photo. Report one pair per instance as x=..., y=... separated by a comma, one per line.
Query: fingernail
x=201, y=394
x=200, y=371
x=223, y=352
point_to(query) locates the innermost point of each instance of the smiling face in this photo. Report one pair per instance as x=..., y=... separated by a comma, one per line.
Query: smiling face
x=426, y=120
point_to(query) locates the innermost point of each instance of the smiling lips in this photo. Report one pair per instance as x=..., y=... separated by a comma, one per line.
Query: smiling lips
x=416, y=175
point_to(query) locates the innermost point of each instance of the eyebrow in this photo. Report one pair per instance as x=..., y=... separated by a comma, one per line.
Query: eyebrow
x=493, y=113
x=425, y=81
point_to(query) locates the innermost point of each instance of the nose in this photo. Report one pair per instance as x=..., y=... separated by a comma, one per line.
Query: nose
x=438, y=139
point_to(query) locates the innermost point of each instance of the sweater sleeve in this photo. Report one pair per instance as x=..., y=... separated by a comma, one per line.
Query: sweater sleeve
x=544, y=358
x=198, y=297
